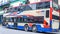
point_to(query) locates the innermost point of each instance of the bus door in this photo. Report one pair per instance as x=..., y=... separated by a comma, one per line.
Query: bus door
x=15, y=22
x=55, y=22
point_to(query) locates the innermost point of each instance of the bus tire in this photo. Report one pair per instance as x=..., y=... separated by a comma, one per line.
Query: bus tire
x=34, y=28
x=26, y=28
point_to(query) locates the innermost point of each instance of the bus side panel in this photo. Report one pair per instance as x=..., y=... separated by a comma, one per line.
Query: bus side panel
x=10, y=25
x=20, y=27
x=42, y=29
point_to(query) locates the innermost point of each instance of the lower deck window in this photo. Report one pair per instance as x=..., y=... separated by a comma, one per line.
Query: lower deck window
x=4, y=19
x=55, y=17
x=36, y=19
x=39, y=19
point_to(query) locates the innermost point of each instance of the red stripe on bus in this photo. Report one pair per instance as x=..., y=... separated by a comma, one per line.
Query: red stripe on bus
x=45, y=24
x=19, y=16
x=30, y=24
x=28, y=15
x=51, y=9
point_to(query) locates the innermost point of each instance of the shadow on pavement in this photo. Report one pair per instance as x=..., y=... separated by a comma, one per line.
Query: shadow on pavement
x=46, y=33
x=35, y=32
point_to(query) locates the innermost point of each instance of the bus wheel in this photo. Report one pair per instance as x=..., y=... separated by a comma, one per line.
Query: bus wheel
x=34, y=28
x=26, y=27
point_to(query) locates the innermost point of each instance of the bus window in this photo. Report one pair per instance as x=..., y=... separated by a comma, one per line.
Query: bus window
x=33, y=6
x=25, y=20
x=39, y=19
x=15, y=19
x=30, y=20
x=21, y=20
x=15, y=8
x=47, y=14
x=42, y=5
x=4, y=19
x=12, y=19
x=10, y=9
x=55, y=17
x=7, y=19
x=18, y=19
x=24, y=8
x=36, y=19
x=18, y=9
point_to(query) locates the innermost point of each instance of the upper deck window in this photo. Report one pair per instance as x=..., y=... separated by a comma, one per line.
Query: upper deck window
x=37, y=19
x=33, y=6
x=43, y=5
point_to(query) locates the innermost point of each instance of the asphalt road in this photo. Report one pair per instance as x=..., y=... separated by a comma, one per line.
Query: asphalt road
x=4, y=30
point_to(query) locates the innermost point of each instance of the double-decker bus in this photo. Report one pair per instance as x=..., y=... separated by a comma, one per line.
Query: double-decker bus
x=39, y=16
